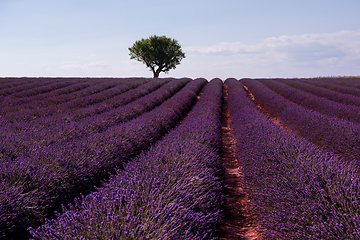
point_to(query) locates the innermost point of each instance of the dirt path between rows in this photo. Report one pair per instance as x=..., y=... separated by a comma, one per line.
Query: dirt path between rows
x=239, y=221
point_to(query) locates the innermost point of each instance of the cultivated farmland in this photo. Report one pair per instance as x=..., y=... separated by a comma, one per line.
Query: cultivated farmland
x=143, y=158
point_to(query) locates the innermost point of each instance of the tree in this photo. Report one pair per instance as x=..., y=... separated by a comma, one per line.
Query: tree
x=157, y=52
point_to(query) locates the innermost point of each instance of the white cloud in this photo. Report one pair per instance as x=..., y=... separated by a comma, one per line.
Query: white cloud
x=306, y=47
x=328, y=54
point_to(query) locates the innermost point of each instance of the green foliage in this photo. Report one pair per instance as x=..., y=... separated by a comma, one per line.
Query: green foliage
x=157, y=52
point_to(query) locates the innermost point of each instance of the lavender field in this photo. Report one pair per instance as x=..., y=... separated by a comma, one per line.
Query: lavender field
x=141, y=158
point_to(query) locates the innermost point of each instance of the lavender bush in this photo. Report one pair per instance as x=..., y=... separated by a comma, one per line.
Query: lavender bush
x=171, y=191
x=30, y=111
x=50, y=97
x=10, y=82
x=346, y=89
x=59, y=172
x=298, y=190
x=39, y=82
x=332, y=95
x=48, y=130
x=310, y=101
x=352, y=82
x=42, y=89
x=333, y=134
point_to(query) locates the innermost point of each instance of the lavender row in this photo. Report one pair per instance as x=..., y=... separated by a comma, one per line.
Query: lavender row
x=113, y=88
x=324, y=92
x=170, y=192
x=123, y=113
x=110, y=106
x=349, y=89
x=18, y=139
x=38, y=86
x=38, y=83
x=34, y=186
x=310, y=101
x=41, y=89
x=19, y=114
x=84, y=88
x=10, y=104
x=298, y=191
x=30, y=104
x=345, y=81
x=99, y=87
x=49, y=96
x=333, y=134
x=140, y=89
x=13, y=82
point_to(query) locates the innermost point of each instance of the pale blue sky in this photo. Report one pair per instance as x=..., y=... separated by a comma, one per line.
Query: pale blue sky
x=225, y=38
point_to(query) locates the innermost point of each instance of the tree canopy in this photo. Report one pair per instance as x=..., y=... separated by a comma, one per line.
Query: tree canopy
x=159, y=53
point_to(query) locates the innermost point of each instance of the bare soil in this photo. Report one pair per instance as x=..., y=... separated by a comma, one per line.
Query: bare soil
x=239, y=220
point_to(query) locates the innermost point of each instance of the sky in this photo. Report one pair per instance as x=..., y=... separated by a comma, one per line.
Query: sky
x=223, y=38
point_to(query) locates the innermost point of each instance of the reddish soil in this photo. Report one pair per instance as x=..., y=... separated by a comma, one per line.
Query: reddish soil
x=239, y=220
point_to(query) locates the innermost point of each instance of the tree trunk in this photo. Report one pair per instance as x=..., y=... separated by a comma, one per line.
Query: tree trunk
x=156, y=74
